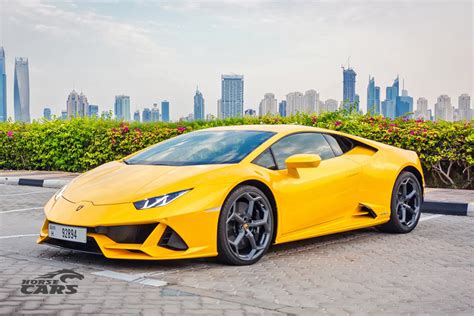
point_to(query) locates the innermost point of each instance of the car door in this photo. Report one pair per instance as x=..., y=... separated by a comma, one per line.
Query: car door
x=320, y=194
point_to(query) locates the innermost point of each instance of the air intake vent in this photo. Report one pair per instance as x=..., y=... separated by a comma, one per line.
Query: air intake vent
x=172, y=240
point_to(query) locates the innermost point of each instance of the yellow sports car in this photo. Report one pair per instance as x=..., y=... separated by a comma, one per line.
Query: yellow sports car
x=233, y=191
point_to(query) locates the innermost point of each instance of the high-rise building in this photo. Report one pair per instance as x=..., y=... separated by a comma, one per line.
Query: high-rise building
x=250, y=112
x=422, y=109
x=63, y=115
x=21, y=93
x=389, y=105
x=282, y=108
x=330, y=105
x=136, y=116
x=464, y=108
x=232, y=96
x=268, y=105
x=3, y=87
x=93, y=110
x=404, y=105
x=349, y=89
x=373, y=97
x=47, y=114
x=165, y=111
x=294, y=103
x=155, y=113
x=122, y=107
x=198, y=105
x=146, y=115
x=311, y=102
x=77, y=104
x=443, y=109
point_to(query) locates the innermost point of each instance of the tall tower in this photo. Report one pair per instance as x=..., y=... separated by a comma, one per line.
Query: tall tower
x=77, y=104
x=165, y=111
x=349, y=89
x=122, y=107
x=373, y=97
x=232, y=96
x=21, y=90
x=268, y=105
x=198, y=105
x=3, y=87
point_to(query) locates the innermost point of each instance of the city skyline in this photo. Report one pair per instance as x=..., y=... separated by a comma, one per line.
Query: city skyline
x=153, y=42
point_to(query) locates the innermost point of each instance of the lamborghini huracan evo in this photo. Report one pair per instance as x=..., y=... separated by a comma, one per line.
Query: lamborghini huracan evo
x=232, y=191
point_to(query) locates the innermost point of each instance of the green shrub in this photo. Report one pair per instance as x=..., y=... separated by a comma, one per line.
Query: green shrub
x=80, y=144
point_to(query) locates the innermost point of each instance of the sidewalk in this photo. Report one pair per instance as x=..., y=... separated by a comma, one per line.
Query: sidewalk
x=437, y=201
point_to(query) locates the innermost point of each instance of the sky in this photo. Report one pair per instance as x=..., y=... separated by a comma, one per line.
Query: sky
x=157, y=50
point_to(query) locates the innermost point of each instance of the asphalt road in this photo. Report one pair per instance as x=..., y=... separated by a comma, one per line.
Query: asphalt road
x=427, y=271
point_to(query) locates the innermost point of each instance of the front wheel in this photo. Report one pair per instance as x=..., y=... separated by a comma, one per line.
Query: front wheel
x=245, y=226
x=407, y=197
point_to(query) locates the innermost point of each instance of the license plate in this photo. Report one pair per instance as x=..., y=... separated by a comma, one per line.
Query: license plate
x=70, y=233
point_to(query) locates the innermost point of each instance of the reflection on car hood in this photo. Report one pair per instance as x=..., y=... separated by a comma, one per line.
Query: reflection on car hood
x=116, y=182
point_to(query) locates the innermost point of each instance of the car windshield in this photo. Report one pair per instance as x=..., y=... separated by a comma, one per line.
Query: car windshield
x=202, y=148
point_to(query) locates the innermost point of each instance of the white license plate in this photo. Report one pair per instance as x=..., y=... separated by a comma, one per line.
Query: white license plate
x=70, y=233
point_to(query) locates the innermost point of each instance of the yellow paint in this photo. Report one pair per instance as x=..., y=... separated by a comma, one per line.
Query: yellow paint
x=313, y=197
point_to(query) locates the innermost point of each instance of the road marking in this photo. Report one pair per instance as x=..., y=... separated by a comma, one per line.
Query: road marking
x=22, y=210
x=16, y=236
x=427, y=218
x=16, y=194
x=135, y=278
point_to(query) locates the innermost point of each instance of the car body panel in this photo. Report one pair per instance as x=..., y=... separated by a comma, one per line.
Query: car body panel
x=332, y=197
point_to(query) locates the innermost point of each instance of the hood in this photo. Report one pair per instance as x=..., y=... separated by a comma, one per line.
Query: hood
x=116, y=182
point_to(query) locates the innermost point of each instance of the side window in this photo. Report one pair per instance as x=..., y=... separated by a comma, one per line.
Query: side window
x=301, y=143
x=265, y=160
x=334, y=144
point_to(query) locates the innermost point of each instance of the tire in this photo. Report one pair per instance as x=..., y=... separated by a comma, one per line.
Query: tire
x=407, y=197
x=245, y=228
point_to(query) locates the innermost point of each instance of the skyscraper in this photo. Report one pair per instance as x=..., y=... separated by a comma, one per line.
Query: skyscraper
x=198, y=106
x=136, y=116
x=146, y=115
x=330, y=105
x=282, y=108
x=403, y=104
x=311, y=102
x=21, y=93
x=464, y=107
x=349, y=89
x=232, y=95
x=443, y=109
x=373, y=97
x=268, y=105
x=93, y=110
x=47, y=113
x=77, y=104
x=155, y=113
x=165, y=111
x=122, y=107
x=389, y=105
x=294, y=103
x=3, y=87
x=422, y=109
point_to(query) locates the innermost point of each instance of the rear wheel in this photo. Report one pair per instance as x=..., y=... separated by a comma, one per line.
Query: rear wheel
x=245, y=226
x=407, y=197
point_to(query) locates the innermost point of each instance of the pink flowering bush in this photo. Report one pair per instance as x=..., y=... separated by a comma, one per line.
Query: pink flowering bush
x=80, y=144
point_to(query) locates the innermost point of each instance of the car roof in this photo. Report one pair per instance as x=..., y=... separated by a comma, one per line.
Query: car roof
x=277, y=128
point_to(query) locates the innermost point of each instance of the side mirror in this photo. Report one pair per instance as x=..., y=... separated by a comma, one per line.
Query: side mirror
x=301, y=161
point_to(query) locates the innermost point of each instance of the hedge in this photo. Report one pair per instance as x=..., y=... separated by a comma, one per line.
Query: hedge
x=80, y=144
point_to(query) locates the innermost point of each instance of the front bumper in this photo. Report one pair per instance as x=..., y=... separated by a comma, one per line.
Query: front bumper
x=132, y=234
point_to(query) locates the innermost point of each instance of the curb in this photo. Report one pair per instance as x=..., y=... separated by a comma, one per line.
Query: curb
x=448, y=208
x=45, y=183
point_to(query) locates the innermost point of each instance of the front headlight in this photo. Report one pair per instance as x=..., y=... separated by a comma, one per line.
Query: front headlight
x=157, y=201
x=60, y=193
